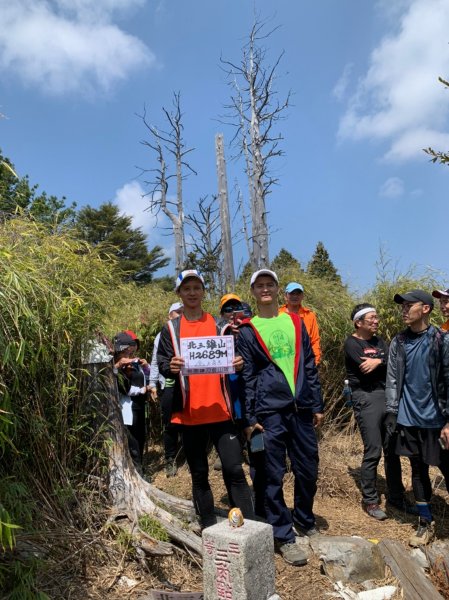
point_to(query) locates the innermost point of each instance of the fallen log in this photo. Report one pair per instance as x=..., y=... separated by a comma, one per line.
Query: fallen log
x=415, y=585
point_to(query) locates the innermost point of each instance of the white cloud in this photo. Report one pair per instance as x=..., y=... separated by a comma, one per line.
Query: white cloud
x=341, y=86
x=393, y=187
x=131, y=202
x=60, y=46
x=399, y=100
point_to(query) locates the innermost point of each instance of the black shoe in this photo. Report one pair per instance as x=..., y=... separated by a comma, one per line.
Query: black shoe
x=403, y=505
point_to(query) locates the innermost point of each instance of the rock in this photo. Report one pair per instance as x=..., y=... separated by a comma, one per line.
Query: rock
x=420, y=558
x=383, y=593
x=348, y=558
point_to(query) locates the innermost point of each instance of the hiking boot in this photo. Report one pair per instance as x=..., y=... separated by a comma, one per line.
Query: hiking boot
x=403, y=505
x=171, y=468
x=423, y=535
x=217, y=464
x=292, y=554
x=374, y=510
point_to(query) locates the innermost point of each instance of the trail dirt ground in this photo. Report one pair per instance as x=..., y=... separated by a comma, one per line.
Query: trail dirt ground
x=338, y=511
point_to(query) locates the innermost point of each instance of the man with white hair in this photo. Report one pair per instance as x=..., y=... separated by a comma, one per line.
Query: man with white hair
x=171, y=431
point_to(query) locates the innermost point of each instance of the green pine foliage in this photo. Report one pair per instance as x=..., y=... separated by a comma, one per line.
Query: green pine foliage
x=321, y=266
x=18, y=196
x=285, y=261
x=112, y=234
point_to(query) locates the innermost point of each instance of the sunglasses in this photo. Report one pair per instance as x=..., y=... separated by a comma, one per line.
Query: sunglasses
x=227, y=310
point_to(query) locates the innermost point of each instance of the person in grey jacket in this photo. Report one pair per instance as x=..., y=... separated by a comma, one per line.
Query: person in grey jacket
x=417, y=401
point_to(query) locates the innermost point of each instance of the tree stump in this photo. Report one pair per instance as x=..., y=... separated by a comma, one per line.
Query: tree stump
x=131, y=495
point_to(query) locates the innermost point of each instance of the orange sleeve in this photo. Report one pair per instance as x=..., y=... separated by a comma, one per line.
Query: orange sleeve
x=314, y=334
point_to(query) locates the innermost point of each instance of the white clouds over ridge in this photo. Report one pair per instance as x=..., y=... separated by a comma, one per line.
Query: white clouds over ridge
x=62, y=47
x=399, y=100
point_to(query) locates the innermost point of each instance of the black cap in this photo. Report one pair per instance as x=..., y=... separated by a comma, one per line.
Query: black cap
x=122, y=341
x=414, y=296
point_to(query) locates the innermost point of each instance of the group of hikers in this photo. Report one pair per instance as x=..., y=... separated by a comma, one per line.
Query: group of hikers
x=272, y=402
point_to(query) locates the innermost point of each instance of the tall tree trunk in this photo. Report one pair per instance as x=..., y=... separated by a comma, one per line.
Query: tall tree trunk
x=226, y=239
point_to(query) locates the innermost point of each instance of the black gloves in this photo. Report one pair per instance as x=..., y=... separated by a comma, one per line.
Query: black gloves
x=390, y=423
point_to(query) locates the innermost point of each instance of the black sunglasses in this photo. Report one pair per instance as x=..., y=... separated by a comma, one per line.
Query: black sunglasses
x=227, y=310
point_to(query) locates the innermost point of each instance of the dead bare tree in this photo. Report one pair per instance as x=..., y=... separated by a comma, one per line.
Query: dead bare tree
x=169, y=142
x=206, y=242
x=226, y=240
x=254, y=111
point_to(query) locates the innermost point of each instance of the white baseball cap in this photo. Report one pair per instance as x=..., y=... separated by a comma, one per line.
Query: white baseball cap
x=257, y=274
x=185, y=275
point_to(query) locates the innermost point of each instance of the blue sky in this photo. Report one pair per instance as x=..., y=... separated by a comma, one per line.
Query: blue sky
x=366, y=100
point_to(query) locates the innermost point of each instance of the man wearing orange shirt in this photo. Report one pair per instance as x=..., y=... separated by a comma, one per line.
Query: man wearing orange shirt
x=294, y=295
x=443, y=296
x=202, y=405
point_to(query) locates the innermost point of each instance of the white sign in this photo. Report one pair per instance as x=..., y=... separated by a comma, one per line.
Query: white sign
x=212, y=354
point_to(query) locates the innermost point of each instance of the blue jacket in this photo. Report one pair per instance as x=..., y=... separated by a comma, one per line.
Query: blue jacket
x=264, y=387
x=438, y=365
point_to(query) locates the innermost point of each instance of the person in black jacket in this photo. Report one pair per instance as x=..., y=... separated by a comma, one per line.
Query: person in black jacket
x=366, y=365
x=417, y=397
x=282, y=399
x=132, y=373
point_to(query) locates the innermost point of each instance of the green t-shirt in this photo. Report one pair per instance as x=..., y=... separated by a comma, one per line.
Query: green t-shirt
x=278, y=334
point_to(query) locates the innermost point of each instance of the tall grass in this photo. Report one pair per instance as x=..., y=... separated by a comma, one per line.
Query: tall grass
x=53, y=292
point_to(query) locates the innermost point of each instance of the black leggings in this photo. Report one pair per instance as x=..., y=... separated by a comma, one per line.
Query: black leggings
x=224, y=437
x=422, y=488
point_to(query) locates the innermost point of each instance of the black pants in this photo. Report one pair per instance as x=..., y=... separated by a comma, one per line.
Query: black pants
x=171, y=431
x=137, y=431
x=422, y=448
x=369, y=411
x=224, y=437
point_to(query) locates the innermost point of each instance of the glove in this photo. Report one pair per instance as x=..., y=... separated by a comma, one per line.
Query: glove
x=390, y=423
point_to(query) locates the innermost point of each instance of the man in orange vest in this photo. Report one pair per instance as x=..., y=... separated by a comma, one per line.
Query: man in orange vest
x=294, y=295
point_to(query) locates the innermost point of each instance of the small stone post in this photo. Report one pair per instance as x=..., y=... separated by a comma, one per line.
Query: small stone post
x=238, y=562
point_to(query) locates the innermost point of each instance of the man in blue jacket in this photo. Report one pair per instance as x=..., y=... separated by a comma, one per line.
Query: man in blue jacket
x=417, y=399
x=282, y=398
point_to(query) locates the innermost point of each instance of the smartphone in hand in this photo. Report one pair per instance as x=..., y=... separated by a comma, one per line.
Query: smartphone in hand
x=256, y=442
